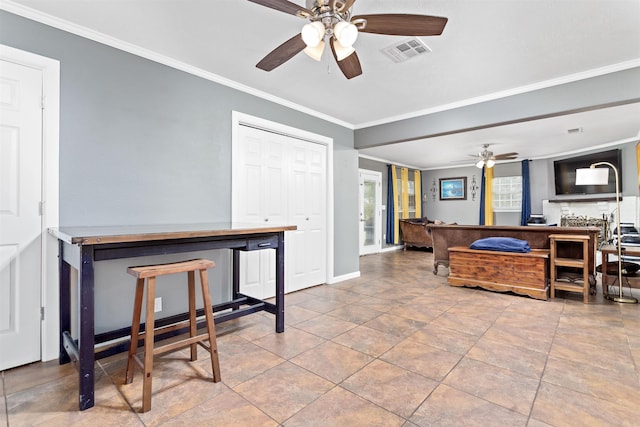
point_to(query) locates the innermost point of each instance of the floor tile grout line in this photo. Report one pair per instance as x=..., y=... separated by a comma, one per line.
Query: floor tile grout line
x=546, y=362
x=120, y=392
x=4, y=399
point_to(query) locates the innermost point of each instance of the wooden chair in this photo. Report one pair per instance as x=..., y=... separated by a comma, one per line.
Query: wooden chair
x=149, y=273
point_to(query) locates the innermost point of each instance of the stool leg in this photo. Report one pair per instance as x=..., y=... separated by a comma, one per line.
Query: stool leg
x=193, y=324
x=148, y=344
x=135, y=330
x=211, y=328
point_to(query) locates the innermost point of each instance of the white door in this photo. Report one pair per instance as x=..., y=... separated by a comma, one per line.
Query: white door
x=282, y=180
x=260, y=200
x=307, y=245
x=20, y=220
x=370, y=212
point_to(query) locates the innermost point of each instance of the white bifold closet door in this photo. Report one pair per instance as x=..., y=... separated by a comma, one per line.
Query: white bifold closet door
x=282, y=180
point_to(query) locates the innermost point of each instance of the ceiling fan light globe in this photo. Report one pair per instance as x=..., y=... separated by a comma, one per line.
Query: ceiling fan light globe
x=312, y=33
x=342, y=51
x=480, y=164
x=346, y=33
x=490, y=163
x=315, y=52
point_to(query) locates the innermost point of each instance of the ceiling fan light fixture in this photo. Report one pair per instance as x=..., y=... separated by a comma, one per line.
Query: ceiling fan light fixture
x=341, y=51
x=480, y=164
x=490, y=163
x=346, y=33
x=316, y=51
x=313, y=33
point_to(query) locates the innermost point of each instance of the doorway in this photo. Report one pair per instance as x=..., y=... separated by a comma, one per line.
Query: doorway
x=370, y=217
x=28, y=206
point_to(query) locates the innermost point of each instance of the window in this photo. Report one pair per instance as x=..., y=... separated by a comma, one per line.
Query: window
x=411, y=191
x=399, y=197
x=507, y=193
x=412, y=199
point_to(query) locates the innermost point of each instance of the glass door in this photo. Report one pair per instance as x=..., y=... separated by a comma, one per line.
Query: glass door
x=370, y=211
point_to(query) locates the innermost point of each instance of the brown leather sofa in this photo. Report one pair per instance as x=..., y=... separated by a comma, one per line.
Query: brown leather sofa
x=415, y=232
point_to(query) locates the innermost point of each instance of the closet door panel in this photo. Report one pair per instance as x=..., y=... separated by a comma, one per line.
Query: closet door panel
x=283, y=181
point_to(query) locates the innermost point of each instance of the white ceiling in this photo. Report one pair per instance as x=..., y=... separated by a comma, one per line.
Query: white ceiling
x=488, y=47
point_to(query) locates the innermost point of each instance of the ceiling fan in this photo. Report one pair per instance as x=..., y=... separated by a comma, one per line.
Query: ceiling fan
x=333, y=19
x=487, y=158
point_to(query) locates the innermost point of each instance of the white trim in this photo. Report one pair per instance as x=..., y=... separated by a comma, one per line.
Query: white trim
x=392, y=248
x=621, y=66
x=87, y=33
x=344, y=277
x=591, y=148
x=238, y=118
x=378, y=159
x=556, y=155
x=378, y=177
x=49, y=292
x=90, y=34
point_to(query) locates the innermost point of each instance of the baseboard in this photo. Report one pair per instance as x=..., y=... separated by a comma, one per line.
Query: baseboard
x=392, y=248
x=344, y=277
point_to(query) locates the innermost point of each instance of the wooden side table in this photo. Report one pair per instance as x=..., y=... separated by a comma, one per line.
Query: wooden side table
x=579, y=286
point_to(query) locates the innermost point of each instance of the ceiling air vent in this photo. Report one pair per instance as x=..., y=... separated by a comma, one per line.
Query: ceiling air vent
x=407, y=49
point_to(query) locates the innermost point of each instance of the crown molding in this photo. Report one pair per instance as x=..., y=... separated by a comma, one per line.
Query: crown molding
x=102, y=38
x=87, y=33
x=506, y=93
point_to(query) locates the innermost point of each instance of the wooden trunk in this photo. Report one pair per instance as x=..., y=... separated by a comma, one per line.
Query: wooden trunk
x=522, y=273
x=445, y=236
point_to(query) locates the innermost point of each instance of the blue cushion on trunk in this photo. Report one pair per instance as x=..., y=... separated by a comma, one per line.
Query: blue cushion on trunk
x=502, y=244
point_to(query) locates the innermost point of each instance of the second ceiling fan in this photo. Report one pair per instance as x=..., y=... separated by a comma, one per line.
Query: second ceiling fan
x=333, y=19
x=488, y=159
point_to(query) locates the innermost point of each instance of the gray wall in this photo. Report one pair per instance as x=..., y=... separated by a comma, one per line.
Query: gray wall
x=609, y=89
x=629, y=173
x=458, y=211
x=141, y=142
x=542, y=187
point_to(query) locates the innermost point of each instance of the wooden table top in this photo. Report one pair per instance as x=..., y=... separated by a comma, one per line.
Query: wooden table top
x=96, y=235
x=626, y=250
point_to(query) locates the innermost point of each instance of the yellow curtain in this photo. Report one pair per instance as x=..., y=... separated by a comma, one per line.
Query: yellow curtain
x=418, y=193
x=404, y=177
x=396, y=205
x=488, y=196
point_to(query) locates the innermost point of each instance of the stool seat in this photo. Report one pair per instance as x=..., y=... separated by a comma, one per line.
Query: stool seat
x=142, y=272
x=146, y=278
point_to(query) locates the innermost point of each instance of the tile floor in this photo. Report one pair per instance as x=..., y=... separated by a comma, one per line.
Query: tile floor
x=395, y=347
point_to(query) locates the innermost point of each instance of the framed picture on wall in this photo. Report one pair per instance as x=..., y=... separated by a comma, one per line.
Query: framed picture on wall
x=453, y=188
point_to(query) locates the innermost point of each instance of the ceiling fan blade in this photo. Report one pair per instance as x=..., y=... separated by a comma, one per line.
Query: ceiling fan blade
x=282, y=53
x=343, y=5
x=285, y=6
x=401, y=24
x=350, y=66
x=505, y=156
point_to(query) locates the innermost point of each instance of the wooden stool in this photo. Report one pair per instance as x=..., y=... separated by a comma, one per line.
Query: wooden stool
x=150, y=273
